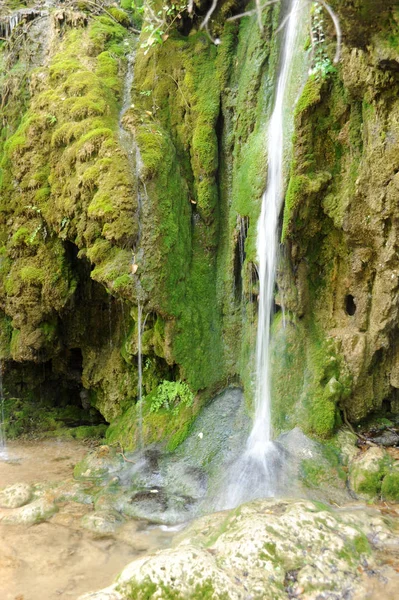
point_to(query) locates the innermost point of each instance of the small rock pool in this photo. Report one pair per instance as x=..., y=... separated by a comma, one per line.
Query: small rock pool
x=57, y=557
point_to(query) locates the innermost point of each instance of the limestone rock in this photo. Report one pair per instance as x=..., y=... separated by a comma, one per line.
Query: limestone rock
x=269, y=549
x=102, y=522
x=38, y=510
x=15, y=495
x=102, y=463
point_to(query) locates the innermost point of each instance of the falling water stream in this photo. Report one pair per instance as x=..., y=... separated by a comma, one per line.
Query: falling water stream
x=267, y=247
x=133, y=153
x=256, y=473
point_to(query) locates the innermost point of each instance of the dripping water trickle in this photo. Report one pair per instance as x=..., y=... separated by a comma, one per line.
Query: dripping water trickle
x=140, y=370
x=256, y=473
x=3, y=443
x=111, y=345
x=134, y=157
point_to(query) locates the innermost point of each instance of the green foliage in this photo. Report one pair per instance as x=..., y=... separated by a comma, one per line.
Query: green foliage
x=167, y=427
x=159, y=23
x=322, y=64
x=172, y=396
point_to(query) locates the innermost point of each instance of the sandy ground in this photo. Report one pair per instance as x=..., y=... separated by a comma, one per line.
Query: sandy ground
x=57, y=558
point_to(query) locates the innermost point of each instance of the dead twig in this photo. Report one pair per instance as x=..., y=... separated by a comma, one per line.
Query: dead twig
x=133, y=462
x=359, y=435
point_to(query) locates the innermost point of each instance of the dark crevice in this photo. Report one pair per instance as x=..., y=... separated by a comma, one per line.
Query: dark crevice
x=376, y=361
x=350, y=305
x=240, y=255
x=254, y=288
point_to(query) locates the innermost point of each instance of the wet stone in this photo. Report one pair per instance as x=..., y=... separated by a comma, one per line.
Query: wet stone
x=102, y=522
x=35, y=512
x=15, y=495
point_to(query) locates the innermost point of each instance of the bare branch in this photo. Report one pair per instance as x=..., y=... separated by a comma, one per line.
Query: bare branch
x=249, y=13
x=259, y=15
x=204, y=24
x=337, y=26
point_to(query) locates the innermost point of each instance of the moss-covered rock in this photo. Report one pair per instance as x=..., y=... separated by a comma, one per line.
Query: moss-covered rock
x=390, y=487
x=367, y=472
x=338, y=204
x=283, y=547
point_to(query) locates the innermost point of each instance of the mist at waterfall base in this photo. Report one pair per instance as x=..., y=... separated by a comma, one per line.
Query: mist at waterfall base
x=262, y=470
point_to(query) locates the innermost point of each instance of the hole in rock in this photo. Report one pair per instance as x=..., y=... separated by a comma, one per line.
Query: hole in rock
x=350, y=305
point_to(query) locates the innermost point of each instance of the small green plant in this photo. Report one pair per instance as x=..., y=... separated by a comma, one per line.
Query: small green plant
x=32, y=237
x=40, y=228
x=157, y=24
x=172, y=395
x=322, y=65
x=51, y=120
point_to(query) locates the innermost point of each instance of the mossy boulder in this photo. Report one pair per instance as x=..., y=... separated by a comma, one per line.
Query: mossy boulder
x=390, y=487
x=367, y=471
x=283, y=547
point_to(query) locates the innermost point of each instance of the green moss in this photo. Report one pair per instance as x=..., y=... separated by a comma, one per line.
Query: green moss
x=370, y=484
x=153, y=147
x=107, y=70
x=158, y=427
x=313, y=474
x=311, y=94
x=89, y=432
x=120, y=15
x=309, y=378
x=104, y=34
x=390, y=487
x=100, y=206
x=147, y=589
x=32, y=275
x=24, y=417
x=123, y=282
x=21, y=236
x=49, y=330
x=362, y=545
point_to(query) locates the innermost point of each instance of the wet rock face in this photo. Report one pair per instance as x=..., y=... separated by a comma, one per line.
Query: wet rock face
x=23, y=16
x=343, y=235
x=267, y=549
x=362, y=18
x=169, y=488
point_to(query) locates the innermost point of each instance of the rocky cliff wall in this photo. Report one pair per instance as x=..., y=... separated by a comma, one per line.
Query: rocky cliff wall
x=88, y=230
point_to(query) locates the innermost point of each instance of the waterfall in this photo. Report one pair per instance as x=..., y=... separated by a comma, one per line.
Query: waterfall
x=267, y=245
x=257, y=472
x=3, y=445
